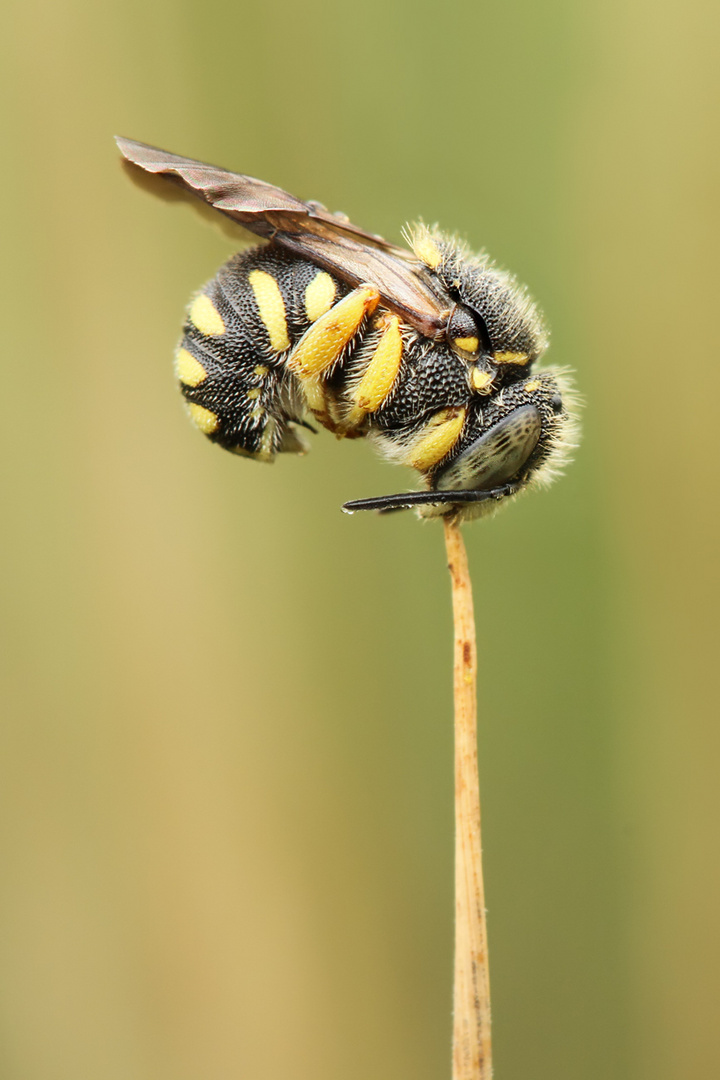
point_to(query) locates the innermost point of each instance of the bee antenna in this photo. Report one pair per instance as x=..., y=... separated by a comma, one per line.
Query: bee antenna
x=410, y=499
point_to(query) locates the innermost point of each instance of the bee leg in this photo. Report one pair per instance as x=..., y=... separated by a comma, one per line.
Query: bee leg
x=380, y=374
x=324, y=342
x=387, y=503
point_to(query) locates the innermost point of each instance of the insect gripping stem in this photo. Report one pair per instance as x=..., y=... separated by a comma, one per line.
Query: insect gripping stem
x=471, y=999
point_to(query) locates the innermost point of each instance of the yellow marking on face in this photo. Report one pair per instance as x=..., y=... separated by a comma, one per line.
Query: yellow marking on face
x=257, y=413
x=254, y=393
x=439, y=436
x=205, y=316
x=188, y=370
x=322, y=344
x=427, y=250
x=319, y=296
x=204, y=419
x=271, y=307
x=469, y=344
x=481, y=380
x=529, y=387
x=518, y=358
x=261, y=371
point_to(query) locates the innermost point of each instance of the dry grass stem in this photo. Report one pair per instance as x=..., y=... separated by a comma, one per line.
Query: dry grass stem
x=471, y=998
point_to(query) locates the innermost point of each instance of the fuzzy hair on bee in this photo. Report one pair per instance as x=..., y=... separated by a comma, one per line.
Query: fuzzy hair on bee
x=429, y=351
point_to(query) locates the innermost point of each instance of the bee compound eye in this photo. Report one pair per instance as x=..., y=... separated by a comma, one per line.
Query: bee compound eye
x=556, y=403
x=463, y=331
x=497, y=455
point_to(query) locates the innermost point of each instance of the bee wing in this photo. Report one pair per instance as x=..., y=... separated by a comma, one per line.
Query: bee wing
x=309, y=230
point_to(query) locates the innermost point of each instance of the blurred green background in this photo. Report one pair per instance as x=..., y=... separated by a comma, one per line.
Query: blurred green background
x=226, y=771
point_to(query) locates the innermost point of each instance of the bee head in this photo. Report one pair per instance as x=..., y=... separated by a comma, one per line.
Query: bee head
x=518, y=438
x=492, y=308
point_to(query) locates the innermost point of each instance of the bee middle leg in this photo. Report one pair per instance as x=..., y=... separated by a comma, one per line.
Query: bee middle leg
x=380, y=375
x=323, y=344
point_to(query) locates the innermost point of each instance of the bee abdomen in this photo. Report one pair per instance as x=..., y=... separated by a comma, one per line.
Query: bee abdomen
x=232, y=361
x=272, y=337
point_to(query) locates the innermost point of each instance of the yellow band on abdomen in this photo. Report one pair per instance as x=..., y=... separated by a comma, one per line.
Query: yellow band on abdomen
x=271, y=307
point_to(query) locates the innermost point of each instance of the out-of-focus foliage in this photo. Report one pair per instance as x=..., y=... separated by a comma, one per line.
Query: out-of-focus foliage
x=226, y=763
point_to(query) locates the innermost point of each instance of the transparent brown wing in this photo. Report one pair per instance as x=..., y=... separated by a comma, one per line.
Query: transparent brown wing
x=308, y=230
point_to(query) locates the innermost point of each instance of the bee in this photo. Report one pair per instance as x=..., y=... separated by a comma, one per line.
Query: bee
x=429, y=351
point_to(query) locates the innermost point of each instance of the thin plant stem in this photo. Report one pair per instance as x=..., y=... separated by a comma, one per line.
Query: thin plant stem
x=471, y=994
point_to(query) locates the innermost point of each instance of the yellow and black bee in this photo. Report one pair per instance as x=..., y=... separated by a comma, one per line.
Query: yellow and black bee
x=428, y=351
